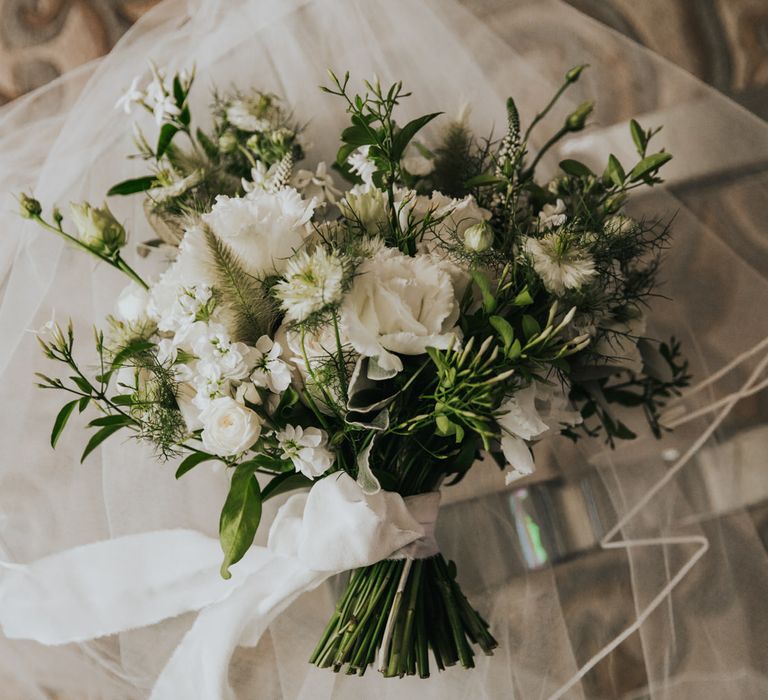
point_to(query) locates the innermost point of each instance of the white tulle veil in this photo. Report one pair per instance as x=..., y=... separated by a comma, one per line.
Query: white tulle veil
x=683, y=574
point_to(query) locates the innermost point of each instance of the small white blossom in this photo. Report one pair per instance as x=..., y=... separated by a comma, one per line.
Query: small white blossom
x=520, y=422
x=361, y=165
x=561, y=265
x=133, y=96
x=317, y=185
x=306, y=448
x=312, y=281
x=270, y=372
x=164, y=108
x=552, y=215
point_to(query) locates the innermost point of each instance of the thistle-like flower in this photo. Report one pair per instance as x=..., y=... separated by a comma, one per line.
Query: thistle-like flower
x=560, y=264
x=312, y=281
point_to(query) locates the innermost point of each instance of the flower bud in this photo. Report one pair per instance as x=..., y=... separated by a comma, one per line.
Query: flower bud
x=577, y=119
x=478, y=237
x=227, y=142
x=98, y=228
x=573, y=75
x=30, y=207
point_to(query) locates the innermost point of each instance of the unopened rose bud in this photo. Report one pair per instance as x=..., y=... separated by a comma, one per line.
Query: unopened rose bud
x=30, y=207
x=478, y=237
x=577, y=119
x=98, y=228
x=227, y=142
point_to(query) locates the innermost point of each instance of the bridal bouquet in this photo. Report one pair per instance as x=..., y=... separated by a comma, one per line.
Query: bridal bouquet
x=445, y=305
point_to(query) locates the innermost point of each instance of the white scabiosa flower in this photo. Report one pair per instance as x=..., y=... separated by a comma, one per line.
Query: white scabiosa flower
x=560, y=264
x=519, y=422
x=307, y=449
x=270, y=371
x=229, y=428
x=552, y=215
x=262, y=228
x=312, y=281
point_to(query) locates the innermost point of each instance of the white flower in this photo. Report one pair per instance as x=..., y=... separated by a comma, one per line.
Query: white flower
x=452, y=216
x=164, y=108
x=400, y=304
x=478, y=237
x=561, y=265
x=619, y=225
x=361, y=165
x=554, y=406
x=263, y=229
x=520, y=422
x=270, y=371
x=311, y=282
x=552, y=215
x=218, y=357
x=306, y=448
x=418, y=165
x=133, y=96
x=176, y=189
x=366, y=204
x=317, y=185
x=228, y=427
x=241, y=115
x=132, y=303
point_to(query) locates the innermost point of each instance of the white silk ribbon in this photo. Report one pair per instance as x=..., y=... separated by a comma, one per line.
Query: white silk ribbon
x=138, y=580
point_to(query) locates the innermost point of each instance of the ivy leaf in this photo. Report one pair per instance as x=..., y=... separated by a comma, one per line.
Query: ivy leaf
x=98, y=437
x=288, y=481
x=404, y=136
x=137, y=184
x=61, y=420
x=191, y=461
x=164, y=140
x=575, y=168
x=240, y=516
x=649, y=165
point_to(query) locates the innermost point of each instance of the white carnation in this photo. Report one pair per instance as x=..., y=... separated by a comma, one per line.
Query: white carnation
x=400, y=304
x=561, y=265
x=311, y=282
x=306, y=448
x=228, y=427
x=263, y=229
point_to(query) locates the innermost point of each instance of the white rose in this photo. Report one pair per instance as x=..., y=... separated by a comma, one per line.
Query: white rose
x=263, y=229
x=132, y=303
x=228, y=427
x=400, y=304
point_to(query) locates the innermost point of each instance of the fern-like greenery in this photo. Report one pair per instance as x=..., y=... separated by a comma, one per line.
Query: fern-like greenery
x=455, y=160
x=253, y=312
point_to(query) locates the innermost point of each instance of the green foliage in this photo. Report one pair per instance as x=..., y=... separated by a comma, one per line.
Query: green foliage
x=240, y=516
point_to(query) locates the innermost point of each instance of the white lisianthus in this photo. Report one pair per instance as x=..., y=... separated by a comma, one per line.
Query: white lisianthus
x=241, y=115
x=98, y=228
x=519, y=422
x=132, y=303
x=228, y=427
x=366, y=204
x=552, y=215
x=311, y=282
x=561, y=265
x=361, y=165
x=270, y=372
x=263, y=229
x=307, y=449
x=318, y=185
x=400, y=304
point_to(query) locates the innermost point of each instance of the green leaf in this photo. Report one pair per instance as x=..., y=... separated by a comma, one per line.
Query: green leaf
x=444, y=425
x=357, y=135
x=208, y=146
x=575, y=168
x=483, y=180
x=116, y=419
x=614, y=172
x=638, y=136
x=504, y=329
x=131, y=350
x=97, y=438
x=164, y=140
x=240, y=516
x=483, y=283
x=82, y=404
x=649, y=165
x=178, y=92
x=515, y=351
x=191, y=461
x=531, y=326
x=524, y=298
x=61, y=420
x=122, y=400
x=137, y=184
x=81, y=384
x=288, y=481
x=622, y=432
x=404, y=136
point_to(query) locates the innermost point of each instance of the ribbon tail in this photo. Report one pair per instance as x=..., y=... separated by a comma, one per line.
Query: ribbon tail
x=113, y=586
x=199, y=667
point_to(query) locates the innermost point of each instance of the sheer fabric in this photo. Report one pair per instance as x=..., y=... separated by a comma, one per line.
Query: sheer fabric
x=686, y=560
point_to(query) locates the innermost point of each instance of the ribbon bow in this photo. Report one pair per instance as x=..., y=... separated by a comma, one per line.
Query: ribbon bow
x=93, y=590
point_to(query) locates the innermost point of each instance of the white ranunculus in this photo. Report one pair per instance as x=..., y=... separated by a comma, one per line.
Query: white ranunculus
x=400, y=304
x=263, y=229
x=519, y=422
x=132, y=303
x=306, y=448
x=229, y=428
